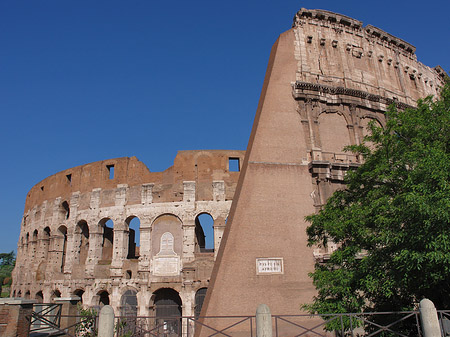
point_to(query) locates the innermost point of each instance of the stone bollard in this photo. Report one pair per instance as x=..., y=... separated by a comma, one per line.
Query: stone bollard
x=429, y=319
x=263, y=321
x=106, y=322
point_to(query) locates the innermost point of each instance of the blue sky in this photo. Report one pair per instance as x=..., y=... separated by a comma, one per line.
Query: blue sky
x=82, y=81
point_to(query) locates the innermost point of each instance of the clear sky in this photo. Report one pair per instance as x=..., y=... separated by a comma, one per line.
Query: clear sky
x=82, y=81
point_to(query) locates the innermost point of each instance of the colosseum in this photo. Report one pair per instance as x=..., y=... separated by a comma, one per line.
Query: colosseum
x=328, y=76
x=112, y=232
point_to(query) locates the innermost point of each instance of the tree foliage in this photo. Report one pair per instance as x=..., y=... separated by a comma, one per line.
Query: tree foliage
x=6, y=267
x=392, y=222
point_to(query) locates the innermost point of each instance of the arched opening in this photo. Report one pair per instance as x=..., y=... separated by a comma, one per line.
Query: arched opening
x=34, y=244
x=39, y=297
x=19, y=293
x=204, y=233
x=83, y=231
x=364, y=123
x=14, y=293
x=27, y=295
x=128, y=303
x=65, y=210
x=167, y=307
x=79, y=293
x=199, y=298
x=56, y=294
x=108, y=239
x=45, y=242
x=27, y=241
x=61, y=245
x=133, y=223
x=334, y=133
x=103, y=298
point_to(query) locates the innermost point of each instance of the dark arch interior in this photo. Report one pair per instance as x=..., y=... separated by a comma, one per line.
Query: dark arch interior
x=79, y=293
x=168, y=311
x=199, y=298
x=39, y=297
x=128, y=303
x=104, y=298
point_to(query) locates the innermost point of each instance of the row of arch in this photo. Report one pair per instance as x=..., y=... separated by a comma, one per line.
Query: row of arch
x=40, y=245
x=166, y=301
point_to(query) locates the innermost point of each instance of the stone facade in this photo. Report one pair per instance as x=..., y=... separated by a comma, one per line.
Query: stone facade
x=76, y=238
x=327, y=78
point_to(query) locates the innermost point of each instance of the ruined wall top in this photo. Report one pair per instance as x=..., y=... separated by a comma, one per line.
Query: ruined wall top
x=346, y=21
x=336, y=51
x=202, y=166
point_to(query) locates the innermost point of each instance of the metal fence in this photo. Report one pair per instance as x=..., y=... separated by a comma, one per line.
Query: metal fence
x=47, y=318
x=368, y=324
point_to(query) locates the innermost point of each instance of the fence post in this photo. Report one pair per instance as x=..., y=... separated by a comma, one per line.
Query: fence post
x=106, y=322
x=429, y=319
x=263, y=321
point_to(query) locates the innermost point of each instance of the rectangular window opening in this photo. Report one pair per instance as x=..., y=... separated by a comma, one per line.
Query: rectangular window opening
x=111, y=171
x=233, y=164
x=69, y=178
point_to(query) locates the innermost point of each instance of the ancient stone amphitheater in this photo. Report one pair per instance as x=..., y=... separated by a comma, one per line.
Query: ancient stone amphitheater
x=77, y=236
x=327, y=78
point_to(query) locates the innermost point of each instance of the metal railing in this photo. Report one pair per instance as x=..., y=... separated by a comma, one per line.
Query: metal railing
x=46, y=320
x=402, y=324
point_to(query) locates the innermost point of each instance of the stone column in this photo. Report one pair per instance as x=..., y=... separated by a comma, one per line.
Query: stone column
x=95, y=251
x=145, y=248
x=120, y=248
x=188, y=239
x=219, y=228
x=69, y=254
x=187, y=299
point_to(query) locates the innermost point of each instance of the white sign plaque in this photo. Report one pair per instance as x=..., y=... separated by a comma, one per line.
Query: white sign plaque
x=269, y=266
x=166, y=266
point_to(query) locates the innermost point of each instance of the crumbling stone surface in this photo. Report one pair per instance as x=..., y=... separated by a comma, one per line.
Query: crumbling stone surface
x=68, y=247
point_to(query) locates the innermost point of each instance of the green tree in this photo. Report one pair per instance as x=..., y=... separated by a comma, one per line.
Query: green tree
x=6, y=267
x=392, y=222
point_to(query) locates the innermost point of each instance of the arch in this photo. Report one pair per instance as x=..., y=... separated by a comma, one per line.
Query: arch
x=82, y=239
x=133, y=223
x=55, y=294
x=108, y=238
x=34, y=242
x=19, y=293
x=199, y=299
x=163, y=224
x=61, y=245
x=204, y=232
x=167, y=307
x=364, y=124
x=65, y=210
x=79, y=293
x=103, y=298
x=128, y=303
x=333, y=131
x=39, y=296
x=27, y=295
